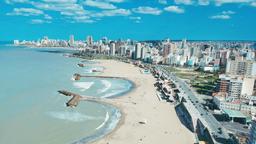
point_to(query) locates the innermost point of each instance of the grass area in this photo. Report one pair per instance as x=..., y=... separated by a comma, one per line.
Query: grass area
x=91, y=56
x=204, y=83
x=172, y=69
x=184, y=75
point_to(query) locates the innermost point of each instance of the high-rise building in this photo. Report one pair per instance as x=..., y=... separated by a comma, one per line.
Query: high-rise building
x=138, y=51
x=112, y=48
x=248, y=86
x=235, y=88
x=16, y=42
x=241, y=67
x=168, y=48
x=251, y=68
x=71, y=40
x=123, y=50
x=89, y=40
x=223, y=84
x=184, y=44
x=143, y=52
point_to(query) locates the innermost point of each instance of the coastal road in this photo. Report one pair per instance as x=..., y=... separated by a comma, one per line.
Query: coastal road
x=213, y=125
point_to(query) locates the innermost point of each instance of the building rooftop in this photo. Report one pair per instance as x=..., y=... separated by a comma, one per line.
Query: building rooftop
x=234, y=113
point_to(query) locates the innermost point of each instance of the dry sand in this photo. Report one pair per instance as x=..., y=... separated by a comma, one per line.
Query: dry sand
x=142, y=104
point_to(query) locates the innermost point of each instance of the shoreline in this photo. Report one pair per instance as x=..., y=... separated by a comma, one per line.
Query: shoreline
x=106, y=128
x=126, y=104
x=109, y=102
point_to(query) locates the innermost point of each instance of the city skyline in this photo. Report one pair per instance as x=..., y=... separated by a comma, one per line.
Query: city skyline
x=127, y=19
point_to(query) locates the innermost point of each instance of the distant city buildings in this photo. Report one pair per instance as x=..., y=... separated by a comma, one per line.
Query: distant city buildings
x=236, y=58
x=234, y=63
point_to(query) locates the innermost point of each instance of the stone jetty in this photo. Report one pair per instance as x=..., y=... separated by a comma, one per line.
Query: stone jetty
x=77, y=76
x=76, y=98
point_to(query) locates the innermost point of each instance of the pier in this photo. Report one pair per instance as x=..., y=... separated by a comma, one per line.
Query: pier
x=77, y=76
x=76, y=98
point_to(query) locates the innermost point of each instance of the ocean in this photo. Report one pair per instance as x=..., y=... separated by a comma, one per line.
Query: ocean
x=31, y=109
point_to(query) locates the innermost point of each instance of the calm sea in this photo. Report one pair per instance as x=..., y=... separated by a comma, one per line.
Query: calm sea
x=31, y=110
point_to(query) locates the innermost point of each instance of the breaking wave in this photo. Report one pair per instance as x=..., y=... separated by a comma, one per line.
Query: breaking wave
x=106, y=84
x=83, y=85
x=72, y=116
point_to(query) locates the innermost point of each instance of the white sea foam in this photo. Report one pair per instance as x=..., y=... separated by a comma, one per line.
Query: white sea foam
x=83, y=85
x=107, y=84
x=103, y=123
x=72, y=78
x=72, y=116
x=88, y=70
x=115, y=92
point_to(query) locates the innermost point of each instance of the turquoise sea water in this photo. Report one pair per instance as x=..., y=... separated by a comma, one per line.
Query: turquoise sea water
x=31, y=110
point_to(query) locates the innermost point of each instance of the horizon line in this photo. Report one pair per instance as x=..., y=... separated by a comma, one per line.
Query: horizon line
x=141, y=40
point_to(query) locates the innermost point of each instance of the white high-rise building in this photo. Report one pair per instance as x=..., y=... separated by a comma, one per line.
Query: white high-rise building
x=123, y=50
x=71, y=40
x=248, y=86
x=143, y=52
x=16, y=42
x=138, y=51
x=112, y=49
x=235, y=88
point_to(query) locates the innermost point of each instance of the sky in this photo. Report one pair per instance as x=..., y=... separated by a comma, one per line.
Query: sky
x=128, y=19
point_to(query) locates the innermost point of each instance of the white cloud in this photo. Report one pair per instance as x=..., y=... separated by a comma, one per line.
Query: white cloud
x=135, y=19
x=203, y=2
x=39, y=21
x=185, y=2
x=46, y=16
x=115, y=12
x=229, y=12
x=65, y=7
x=99, y=4
x=147, y=10
x=26, y=12
x=174, y=9
x=115, y=1
x=68, y=8
x=164, y=2
x=82, y=19
x=60, y=1
x=16, y=1
x=224, y=17
x=253, y=4
x=221, y=2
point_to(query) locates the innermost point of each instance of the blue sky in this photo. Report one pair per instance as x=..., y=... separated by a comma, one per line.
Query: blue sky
x=134, y=19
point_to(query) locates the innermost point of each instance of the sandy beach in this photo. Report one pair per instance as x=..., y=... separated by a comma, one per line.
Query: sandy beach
x=161, y=126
